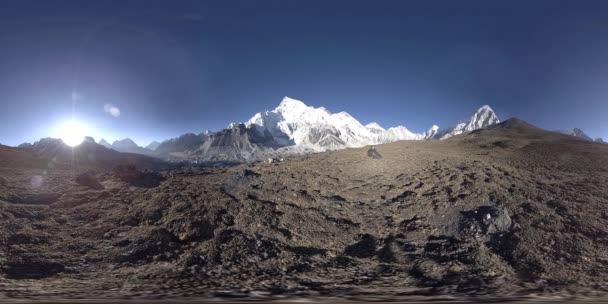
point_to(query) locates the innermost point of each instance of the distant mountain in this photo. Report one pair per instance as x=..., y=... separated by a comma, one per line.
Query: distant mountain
x=25, y=146
x=153, y=145
x=238, y=143
x=397, y=133
x=185, y=143
x=432, y=132
x=375, y=128
x=104, y=143
x=295, y=128
x=482, y=118
x=576, y=132
x=293, y=123
x=292, y=128
x=89, y=154
x=127, y=145
x=600, y=140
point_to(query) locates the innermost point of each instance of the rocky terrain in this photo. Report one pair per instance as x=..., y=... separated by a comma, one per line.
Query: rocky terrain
x=505, y=211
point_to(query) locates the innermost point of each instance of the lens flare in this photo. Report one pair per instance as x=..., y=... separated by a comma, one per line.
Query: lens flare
x=72, y=132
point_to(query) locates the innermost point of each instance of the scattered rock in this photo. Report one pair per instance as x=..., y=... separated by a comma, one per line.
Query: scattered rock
x=34, y=198
x=148, y=244
x=249, y=172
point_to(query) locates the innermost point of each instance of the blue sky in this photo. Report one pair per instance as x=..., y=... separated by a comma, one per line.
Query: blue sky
x=173, y=67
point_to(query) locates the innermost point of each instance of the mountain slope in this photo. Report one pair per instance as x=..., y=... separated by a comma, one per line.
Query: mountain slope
x=127, y=145
x=184, y=143
x=375, y=128
x=104, y=143
x=153, y=145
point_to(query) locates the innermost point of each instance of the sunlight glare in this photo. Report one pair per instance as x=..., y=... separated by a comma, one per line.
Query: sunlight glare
x=72, y=133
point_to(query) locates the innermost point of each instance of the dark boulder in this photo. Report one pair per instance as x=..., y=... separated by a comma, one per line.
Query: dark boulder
x=373, y=153
x=487, y=220
x=88, y=179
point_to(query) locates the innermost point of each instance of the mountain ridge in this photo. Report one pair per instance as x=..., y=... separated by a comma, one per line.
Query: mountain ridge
x=292, y=128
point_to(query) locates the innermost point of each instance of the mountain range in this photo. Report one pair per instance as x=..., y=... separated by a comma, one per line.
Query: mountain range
x=127, y=145
x=294, y=128
x=579, y=133
x=88, y=154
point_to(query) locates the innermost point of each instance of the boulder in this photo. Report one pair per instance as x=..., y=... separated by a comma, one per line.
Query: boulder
x=486, y=220
x=88, y=179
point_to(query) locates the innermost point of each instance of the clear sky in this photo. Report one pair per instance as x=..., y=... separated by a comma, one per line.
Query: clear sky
x=173, y=67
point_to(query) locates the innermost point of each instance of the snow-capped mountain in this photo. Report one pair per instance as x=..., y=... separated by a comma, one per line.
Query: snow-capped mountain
x=375, y=128
x=432, y=132
x=398, y=133
x=295, y=128
x=576, y=132
x=482, y=118
x=600, y=140
x=292, y=128
x=295, y=123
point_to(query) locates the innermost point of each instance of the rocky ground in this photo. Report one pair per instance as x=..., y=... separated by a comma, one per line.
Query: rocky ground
x=508, y=211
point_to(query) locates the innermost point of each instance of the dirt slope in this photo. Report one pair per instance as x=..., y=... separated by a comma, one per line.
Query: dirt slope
x=509, y=210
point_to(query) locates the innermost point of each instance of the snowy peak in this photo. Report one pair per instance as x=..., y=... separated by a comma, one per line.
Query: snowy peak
x=432, y=132
x=289, y=105
x=482, y=118
x=374, y=125
x=295, y=123
x=375, y=128
x=299, y=127
x=398, y=133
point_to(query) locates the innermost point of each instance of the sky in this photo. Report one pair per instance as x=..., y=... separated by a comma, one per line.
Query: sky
x=152, y=70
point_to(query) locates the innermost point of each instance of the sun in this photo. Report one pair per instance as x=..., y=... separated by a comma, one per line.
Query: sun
x=72, y=132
